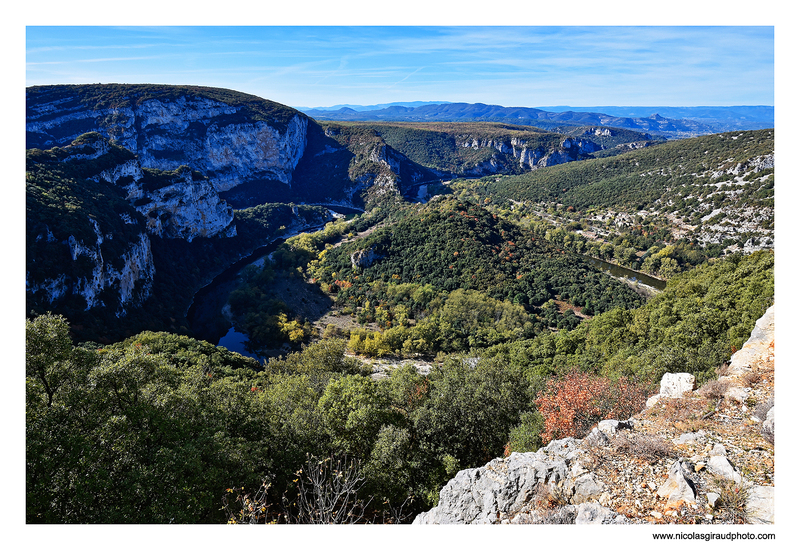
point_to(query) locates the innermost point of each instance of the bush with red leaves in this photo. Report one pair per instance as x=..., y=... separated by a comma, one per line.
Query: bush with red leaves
x=572, y=405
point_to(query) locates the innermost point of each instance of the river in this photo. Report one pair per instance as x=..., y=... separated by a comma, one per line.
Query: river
x=206, y=317
x=624, y=272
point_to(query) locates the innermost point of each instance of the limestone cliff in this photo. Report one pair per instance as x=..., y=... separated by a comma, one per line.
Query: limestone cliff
x=179, y=204
x=93, y=269
x=530, y=155
x=251, y=150
x=91, y=211
x=226, y=137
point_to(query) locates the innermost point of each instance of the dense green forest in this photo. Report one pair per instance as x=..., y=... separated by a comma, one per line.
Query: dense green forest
x=160, y=427
x=445, y=277
x=460, y=245
x=453, y=276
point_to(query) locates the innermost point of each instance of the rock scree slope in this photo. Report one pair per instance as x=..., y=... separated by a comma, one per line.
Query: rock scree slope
x=693, y=456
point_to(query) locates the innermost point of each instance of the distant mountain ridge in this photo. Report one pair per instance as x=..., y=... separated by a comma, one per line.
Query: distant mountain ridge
x=723, y=118
x=689, y=121
x=372, y=107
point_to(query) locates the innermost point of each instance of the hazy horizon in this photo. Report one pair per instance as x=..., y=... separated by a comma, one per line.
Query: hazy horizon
x=543, y=107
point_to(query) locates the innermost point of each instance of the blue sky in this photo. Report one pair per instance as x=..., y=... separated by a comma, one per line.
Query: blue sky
x=512, y=66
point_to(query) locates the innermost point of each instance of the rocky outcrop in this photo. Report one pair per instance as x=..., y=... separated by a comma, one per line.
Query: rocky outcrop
x=529, y=156
x=179, y=204
x=115, y=254
x=754, y=351
x=648, y=469
x=385, y=171
x=507, y=489
x=604, y=132
x=673, y=385
x=364, y=258
x=235, y=153
x=755, y=165
x=381, y=155
x=131, y=275
x=679, y=488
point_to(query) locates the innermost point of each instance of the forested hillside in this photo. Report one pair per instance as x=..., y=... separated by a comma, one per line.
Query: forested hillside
x=662, y=210
x=444, y=277
x=441, y=266
x=659, y=175
x=160, y=428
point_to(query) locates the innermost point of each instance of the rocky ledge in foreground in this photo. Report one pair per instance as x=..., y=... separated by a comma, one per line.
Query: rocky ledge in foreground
x=694, y=456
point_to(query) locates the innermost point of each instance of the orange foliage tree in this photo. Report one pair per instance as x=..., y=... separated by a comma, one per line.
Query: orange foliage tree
x=572, y=405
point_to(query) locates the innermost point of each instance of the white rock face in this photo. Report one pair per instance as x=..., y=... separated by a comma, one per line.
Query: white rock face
x=756, y=348
x=761, y=504
x=137, y=267
x=678, y=487
x=187, y=209
x=610, y=427
x=721, y=466
x=130, y=173
x=190, y=130
x=380, y=156
x=477, y=495
x=529, y=156
x=674, y=385
x=505, y=486
x=54, y=288
x=185, y=206
x=235, y=152
x=364, y=258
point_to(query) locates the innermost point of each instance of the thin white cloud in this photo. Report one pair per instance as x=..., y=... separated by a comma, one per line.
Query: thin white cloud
x=498, y=65
x=94, y=60
x=85, y=47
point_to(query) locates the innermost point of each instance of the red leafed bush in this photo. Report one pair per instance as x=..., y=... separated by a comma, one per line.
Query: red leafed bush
x=572, y=405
